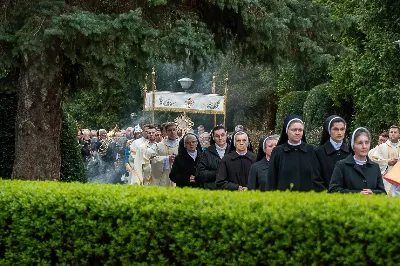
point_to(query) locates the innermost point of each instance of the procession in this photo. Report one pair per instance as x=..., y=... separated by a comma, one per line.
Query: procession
x=168, y=156
x=195, y=133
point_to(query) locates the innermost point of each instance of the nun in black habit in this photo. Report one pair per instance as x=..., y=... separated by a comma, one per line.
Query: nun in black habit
x=259, y=170
x=290, y=165
x=184, y=168
x=332, y=149
x=234, y=168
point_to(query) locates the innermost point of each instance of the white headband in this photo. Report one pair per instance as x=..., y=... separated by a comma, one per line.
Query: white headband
x=330, y=122
x=291, y=120
x=354, y=133
x=265, y=140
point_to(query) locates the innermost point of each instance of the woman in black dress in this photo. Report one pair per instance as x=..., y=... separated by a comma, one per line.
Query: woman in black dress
x=184, y=168
x=290, y=165
x=332, y=149
x=357, y=173
x=259, y=170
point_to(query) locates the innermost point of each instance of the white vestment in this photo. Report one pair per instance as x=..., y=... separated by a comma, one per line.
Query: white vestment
x=381, y=155
x=159, y=154
x=141, y=170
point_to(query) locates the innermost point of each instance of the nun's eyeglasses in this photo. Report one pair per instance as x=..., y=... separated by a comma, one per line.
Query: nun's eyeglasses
x=191, y=142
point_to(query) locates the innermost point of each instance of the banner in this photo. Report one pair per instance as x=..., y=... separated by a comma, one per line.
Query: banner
x=185, y=102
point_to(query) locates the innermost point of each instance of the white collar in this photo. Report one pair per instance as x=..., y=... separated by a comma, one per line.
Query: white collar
x=291, y=144
x=221, y=148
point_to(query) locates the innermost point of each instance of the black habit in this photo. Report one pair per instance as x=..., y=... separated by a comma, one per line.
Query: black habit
x=258, y=175
x=323, y=161
x=234, y=170
x=290, y=165
x=184, y=166
x=349, y=177
x=207, y=167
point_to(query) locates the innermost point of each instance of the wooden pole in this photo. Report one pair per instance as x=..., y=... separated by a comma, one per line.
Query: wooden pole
x=153, y=88
x=213, y=91
x=145, y=98
x=225, y=97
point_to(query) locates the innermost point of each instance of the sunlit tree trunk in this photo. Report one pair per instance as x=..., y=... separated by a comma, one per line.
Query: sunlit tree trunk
x=38, y=121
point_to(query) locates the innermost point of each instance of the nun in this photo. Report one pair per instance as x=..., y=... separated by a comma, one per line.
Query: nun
x=233, y=172
x=332, y=148
x=259, y=170
x=357, y=173
x=290, y=165
x=184, y=168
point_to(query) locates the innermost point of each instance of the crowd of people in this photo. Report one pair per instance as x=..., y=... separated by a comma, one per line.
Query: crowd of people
x=163, y=156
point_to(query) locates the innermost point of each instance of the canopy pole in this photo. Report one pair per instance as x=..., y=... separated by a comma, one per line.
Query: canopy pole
x=225, y=97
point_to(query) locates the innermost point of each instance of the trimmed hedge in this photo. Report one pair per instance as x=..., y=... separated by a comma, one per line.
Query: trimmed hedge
x=317, y=107
x=50, y=223
x=8, y=111
x=290, y=104
x=72, y=167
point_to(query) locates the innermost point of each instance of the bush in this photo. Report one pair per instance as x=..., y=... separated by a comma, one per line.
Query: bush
x=50, y=223
x=8, y=111
x=72, y=168
x=317, y=107
x=290, y=104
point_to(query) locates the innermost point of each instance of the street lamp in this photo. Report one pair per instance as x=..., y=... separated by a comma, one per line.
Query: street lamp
x=185, y=83
x=397, y=42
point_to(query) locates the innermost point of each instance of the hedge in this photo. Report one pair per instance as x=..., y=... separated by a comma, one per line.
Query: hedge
x=8, y=111
x=317, y=107
x=290, y=104
x=72, y=167
x=50, y=223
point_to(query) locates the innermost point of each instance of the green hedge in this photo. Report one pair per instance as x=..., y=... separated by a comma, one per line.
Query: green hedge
x=50, y=223
x=8, y=111
x=290, y=104
x=72, y=167
x=317, y=107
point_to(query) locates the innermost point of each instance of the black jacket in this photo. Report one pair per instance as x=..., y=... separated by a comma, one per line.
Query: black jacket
x=349, y=177
x=290, y=165
x=258, y=175
x=323, y=161
x=184, y=166
x=207, y=167
x=234, y=170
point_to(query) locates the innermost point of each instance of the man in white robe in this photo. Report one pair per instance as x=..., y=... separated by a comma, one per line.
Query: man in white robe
x=141, y=173
x=383, y=137
x=162, y=156
x=387, y=153
x=133, y=147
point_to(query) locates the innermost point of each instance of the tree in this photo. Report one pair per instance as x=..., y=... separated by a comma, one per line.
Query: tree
x=53, y=47
x=366, y=75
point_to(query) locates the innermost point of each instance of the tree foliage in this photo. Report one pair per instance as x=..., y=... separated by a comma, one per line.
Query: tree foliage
x=107, y=46
x=366, y=74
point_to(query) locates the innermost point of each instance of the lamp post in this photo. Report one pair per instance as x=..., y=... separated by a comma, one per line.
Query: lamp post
x=186, y=83
x=397, y=42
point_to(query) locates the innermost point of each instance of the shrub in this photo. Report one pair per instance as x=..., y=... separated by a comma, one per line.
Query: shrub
x=72, y=168
x=317, y=107
x=50, y=223
x=8, y=111
x=290, y=104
